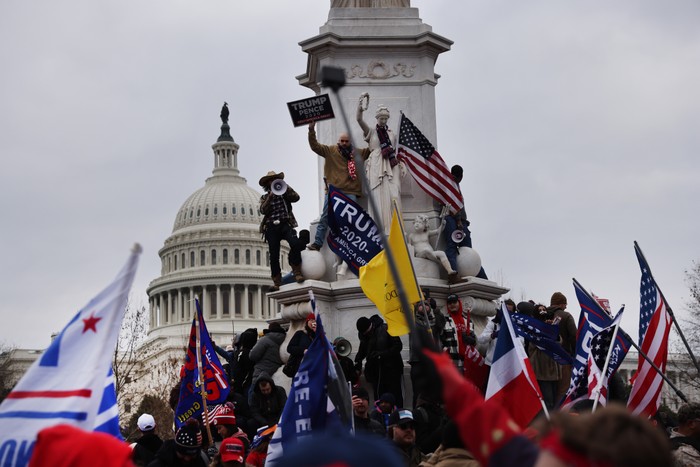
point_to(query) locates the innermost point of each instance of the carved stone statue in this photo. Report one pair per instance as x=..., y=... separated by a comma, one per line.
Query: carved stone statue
x=370, y=3
x=224, y=113
x=383, y=168
x=420, y=239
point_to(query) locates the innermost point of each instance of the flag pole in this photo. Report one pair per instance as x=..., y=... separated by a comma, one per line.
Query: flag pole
x=443, y=213
x=599, y=384
x=678, y=392
x=200, y=378
x=668, y=308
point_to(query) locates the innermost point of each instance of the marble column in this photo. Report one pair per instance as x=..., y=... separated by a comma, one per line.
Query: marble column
x=219, y=303
x=245, y=312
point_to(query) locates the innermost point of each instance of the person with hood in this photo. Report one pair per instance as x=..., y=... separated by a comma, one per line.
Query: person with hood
x=567, y=334
x=183, y=451
x=267, y=401
x=384, y=367
x=147, y=445
x=383, y=407
x=241, y=365
x=301, y=340
x=265, y=355
x=455, y=336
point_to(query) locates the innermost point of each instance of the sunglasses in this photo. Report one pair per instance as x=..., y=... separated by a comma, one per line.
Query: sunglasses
x=406, y=426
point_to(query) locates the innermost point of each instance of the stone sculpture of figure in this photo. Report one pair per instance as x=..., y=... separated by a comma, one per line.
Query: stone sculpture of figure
x=224, y=113
x=420, y=239
x=370, y=3
x=382, y=166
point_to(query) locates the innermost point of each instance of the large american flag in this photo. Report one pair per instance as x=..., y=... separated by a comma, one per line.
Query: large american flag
x=654, y=326
x=426, y=166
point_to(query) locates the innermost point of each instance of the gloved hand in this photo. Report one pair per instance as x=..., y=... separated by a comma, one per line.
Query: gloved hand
x=212, y=451
x=494, y=335
x=470, y=339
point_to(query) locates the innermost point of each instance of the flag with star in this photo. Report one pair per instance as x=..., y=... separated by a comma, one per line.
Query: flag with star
x=654, y=327
x=592, y=320
x=427, y=167
x=598, y=373
x=72, y=382
x=543, y=335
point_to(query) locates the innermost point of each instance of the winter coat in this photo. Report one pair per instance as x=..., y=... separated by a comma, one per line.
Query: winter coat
x=379, y=416
x=544, y=367
x=451, y=457
x=301, y=340
x=369, y=425
x=145, y=448
x=166, y=457
x=266, y=410
x=335, y=169
x=567, y=329
x=412, y=455
x=266, y=354
x=382, y=351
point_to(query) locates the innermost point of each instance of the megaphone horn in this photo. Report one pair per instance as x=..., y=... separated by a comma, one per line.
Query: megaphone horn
x=278, y=187
x=343, y=347
x=458, y=236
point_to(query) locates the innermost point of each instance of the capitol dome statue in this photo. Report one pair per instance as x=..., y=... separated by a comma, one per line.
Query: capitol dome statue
x=215, y=253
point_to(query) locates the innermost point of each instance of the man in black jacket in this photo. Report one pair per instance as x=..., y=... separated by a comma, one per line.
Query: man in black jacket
x=384, y=367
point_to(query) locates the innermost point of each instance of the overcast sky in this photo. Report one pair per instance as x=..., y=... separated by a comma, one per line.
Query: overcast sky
x=576, y=123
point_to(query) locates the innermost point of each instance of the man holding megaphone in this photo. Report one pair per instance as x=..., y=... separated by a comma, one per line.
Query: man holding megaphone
x=278, y=224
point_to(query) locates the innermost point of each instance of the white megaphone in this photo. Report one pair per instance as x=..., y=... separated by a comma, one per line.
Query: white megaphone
x=342, y=346
x=458, y=236
x=278, y=187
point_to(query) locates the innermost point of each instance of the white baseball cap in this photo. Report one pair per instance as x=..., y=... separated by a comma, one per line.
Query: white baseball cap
x=146, y=422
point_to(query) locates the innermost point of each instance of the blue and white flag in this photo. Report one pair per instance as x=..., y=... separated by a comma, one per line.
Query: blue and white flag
x=352, y=233
x=592, y=320
x=543, y=335
x=317, y=399
x=213, y=377
x=72, y=382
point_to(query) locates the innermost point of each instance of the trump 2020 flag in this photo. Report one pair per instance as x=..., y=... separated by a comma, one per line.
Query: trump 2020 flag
x=71, y=383
x=352, y=233
x=214, y=380
x=311, y=407
x=604, y=361
x=379, y=285
x=512, y=381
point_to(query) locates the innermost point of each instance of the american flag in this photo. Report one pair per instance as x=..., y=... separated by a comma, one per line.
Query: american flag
x=600, y=346
x=654, y=326
x=427, y=167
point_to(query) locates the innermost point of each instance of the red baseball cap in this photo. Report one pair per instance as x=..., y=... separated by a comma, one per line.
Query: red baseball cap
x=232, y=449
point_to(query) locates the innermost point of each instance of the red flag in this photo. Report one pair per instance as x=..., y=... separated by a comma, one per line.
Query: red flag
x=654, y=327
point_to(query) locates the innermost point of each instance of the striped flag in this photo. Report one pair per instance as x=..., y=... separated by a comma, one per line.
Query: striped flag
x=427, y=167
x=512, y=382
x=72, y=382
x=654, y=327
x=600, y=348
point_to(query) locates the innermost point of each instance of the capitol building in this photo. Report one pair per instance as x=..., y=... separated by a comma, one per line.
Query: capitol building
x=215, y=253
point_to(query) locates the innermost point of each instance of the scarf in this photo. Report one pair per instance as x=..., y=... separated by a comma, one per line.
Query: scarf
x=385, y=145
x=348, y=154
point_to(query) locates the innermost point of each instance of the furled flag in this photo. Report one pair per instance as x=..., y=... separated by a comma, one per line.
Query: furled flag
x=319, y=398
x=378, y=283
x=600, y=348
x=592, y=320
x=543, y=335
x=427, y=167
x=214, y=379
x=475, y=368
x=654, y=327
x=352, y=233
x=512, y=382
x=71, y=383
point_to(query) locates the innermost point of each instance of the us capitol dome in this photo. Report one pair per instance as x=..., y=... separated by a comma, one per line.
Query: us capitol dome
x=215, y=253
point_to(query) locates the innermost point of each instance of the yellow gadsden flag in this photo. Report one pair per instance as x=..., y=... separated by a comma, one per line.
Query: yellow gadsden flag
x=379, y=286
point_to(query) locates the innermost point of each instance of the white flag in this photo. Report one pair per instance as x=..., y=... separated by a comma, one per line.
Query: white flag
x=71, y=383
